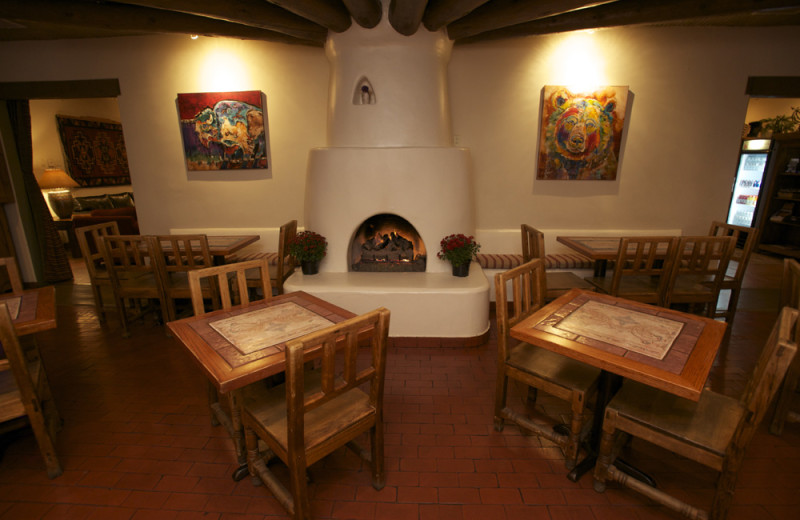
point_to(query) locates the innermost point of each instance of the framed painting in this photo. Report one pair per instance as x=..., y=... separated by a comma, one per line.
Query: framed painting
x=224, y=130
x=581, y=133
x=94, y=151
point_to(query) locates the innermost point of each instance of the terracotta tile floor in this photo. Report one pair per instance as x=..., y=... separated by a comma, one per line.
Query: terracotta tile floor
x=137, y=442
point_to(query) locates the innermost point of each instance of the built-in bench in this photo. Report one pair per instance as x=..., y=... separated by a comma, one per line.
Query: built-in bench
x=506, y=261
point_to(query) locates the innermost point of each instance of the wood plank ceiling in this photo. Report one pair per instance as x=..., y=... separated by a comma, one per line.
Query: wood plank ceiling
x=307, y=22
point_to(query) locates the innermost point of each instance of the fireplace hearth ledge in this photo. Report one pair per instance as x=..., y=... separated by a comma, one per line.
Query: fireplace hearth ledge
x=426, y=305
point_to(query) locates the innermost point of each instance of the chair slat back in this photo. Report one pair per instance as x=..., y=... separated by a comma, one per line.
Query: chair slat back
x=130, y=256
x=746, y=236
x=286, y=262
x=230, y=282
x=532, y=243
x=645, y=256
x=184, y=252
x=90, y=241
x=767, y=376
x=337, y=348
x=14, y=278
x=528, y=290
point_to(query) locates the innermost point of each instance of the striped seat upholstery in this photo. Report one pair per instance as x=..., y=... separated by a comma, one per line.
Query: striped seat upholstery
x=551, y=261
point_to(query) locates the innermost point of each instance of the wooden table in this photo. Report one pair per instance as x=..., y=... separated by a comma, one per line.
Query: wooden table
x=599, y=249
x=621, y=337
x=245, y=344
x=32, y=310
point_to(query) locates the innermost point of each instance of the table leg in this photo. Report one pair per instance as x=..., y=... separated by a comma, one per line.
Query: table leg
x=600, y=268
x=607, y=386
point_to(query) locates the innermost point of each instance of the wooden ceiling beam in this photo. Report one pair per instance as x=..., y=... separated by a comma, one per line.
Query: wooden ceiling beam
x=366, y=13
x=331, y=14
x=255, y=13
x=109, y=16
x=498, y=14
x=406, y=15
x=632, y=12
x=442, y=12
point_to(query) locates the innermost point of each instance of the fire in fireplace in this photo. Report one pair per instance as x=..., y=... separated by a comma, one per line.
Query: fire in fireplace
x=387, y=243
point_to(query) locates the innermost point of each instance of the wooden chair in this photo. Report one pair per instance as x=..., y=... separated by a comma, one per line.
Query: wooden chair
x=284, y=268
x=714, y=431
x=790, y=296
x=557, y=282
x=25, y=393
x=14, y=279
x=320, y=410
x=641, y=270
x=181, y=254
x=745, y=239
x=90, y=240
x=133, y=267
x=697, y=273
x=535, y=367
x=227, y=286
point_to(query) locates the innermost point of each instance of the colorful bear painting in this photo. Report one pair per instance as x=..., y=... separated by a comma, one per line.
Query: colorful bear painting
x=581, y=134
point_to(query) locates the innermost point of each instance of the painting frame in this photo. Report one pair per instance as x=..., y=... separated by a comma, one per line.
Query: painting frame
x=224, y=131
x=580, y=134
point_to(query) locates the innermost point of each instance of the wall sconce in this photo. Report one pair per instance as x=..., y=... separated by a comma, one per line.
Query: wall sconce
x=58, y=186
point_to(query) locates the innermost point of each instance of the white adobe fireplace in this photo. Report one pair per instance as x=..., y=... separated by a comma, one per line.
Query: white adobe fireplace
x=390, y=154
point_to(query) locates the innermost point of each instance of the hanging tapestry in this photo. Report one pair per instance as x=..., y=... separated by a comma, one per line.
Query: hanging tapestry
x=581, y=133
x=94, y=151
x=224, y=130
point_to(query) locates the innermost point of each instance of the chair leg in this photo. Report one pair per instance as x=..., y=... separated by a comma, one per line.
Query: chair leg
x=784, y=399
x=45, y=441
x=376, y=445
x=500, y=396
x=98, y=303
x=299, y=486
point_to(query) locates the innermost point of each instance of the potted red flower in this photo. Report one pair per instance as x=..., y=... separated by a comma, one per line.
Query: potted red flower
x=308, y=248
x=459, y=249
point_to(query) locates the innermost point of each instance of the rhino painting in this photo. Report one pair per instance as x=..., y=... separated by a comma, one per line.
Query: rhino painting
x=581, y=134
x=224, y=130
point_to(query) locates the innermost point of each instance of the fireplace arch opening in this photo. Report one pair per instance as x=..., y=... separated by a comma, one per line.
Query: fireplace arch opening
x=387, y=243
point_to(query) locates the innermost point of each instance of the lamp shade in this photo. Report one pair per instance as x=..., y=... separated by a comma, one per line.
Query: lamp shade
x=53, y=178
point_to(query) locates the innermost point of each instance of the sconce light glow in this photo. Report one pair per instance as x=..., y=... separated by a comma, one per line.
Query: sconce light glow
x=576, y=63
x=223, y=70
x=194, y=36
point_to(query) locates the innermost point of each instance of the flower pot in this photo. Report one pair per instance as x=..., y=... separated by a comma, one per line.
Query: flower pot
x=461, y=269
x=309, y=266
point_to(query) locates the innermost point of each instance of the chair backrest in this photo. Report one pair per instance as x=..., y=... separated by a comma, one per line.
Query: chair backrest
x=130, y=256
x=20, y=394
x=532, y=243
x=341, y=369
x=229, y=282
x=527, y=290
x=183, y=253
x=285, y=265
x=90, y=241
x=702, y=259
x=745, y=240
x=645, y=256
x=13, y=273
x=767, y=376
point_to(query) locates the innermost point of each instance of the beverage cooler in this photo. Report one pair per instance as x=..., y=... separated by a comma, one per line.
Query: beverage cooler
x=748, y=181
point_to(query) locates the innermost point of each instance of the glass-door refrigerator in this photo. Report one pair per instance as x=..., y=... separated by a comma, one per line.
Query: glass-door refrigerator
x=748, y=181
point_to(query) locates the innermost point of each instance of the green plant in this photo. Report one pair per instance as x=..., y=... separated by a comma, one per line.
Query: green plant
x=458, y=249
x=781, y=124
x=308, y=246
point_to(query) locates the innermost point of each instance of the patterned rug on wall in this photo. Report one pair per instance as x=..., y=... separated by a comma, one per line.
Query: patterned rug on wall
x=94, y=150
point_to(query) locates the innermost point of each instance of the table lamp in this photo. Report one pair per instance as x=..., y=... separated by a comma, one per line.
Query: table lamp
x=58, y=186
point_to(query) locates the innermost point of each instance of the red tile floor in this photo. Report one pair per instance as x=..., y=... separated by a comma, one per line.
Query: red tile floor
x=137, y=442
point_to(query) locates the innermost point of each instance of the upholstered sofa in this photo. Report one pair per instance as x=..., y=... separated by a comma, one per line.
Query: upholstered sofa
x=96, y=209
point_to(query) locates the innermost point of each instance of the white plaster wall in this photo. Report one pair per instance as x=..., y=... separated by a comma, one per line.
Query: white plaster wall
x=688, y=106
x=152, y=71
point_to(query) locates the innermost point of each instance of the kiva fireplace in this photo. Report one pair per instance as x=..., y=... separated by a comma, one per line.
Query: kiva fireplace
x=390, y=185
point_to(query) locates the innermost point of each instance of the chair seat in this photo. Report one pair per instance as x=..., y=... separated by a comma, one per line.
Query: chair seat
x=708, y=424
x=642, y=288
x=692, y=288
x=268, y=407
x=555, y=368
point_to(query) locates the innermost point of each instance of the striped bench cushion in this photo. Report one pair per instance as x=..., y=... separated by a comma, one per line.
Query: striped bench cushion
x=272, y=258
x=507, y=261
